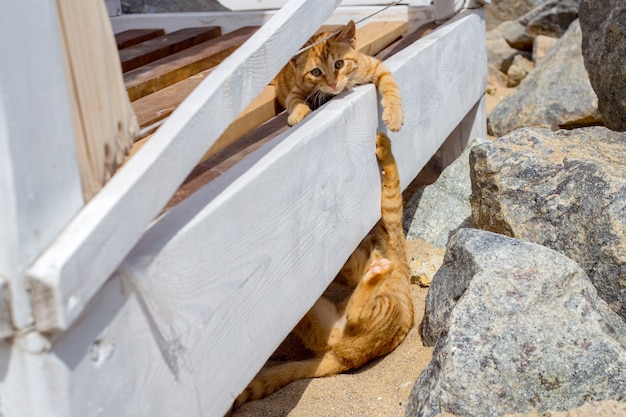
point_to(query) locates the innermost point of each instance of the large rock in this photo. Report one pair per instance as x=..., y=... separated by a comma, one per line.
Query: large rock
x=565, y=190
x=436, y=211
x=603, y=24
x=550, y=18
x=527, y=333
x=557, y=94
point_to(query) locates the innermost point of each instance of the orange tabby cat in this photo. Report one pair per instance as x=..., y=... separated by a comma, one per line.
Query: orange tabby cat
x=377, y=315
x=330, y=67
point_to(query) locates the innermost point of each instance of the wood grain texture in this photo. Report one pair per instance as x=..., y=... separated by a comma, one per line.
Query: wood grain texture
x=169, y=70
x=70, y=272
x=151, y=50
x=200, y=288
x=134, y=36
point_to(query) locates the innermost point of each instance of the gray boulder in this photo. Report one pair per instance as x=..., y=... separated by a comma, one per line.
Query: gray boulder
x=550, y=18
x=557, y=94
x=603, y=24
x=436, y=211
x=527, y=333
x=565, y=190
x=515, y=34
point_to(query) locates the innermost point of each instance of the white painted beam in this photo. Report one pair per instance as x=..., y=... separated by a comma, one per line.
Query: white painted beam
x=40, y=188
x=72, y=270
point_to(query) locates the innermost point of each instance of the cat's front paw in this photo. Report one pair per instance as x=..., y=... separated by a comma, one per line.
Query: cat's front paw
x=393, y=118
x=300, y=112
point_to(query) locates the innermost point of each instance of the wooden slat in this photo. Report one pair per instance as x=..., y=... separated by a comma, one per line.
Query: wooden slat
x=134, y=36
x=70, y=272
x=157, y=48
x=373, y=37
x=174, y=68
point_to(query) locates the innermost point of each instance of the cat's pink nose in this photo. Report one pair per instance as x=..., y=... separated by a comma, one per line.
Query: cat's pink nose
x=333, y=85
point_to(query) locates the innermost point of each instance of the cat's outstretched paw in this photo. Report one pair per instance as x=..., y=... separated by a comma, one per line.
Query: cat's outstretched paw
x=300, y=112
x=378, y=269
x=393, y=118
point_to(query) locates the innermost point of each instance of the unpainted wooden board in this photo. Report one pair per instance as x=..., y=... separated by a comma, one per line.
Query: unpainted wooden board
x=104, y=231
x=134, y=36
x=372, y=38
x=174, y=68
x=151, y=50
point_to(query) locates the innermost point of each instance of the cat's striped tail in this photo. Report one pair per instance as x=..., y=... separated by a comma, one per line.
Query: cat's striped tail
x=391, y=194
x=271, y=379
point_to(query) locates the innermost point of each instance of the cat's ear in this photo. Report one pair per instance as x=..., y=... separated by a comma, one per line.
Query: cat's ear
x=347, y=34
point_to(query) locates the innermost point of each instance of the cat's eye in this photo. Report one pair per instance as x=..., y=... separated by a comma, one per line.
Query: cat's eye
x=339, y=64
x=316, y=72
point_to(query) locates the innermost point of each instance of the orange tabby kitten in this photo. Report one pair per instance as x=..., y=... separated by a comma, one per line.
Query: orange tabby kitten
x=330, y=67
x=377, y=315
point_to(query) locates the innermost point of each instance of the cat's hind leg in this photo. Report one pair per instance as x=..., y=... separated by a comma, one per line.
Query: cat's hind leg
x=316, y=329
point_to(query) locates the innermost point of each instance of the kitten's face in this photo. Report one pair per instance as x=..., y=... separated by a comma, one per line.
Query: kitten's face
x=329, y=72
x=327, y=67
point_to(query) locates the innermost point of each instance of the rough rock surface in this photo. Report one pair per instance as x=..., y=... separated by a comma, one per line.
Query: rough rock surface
x=527, y=334
x=603, y=26
x=518, y=70
x=499, y=53
x=165, y=6
x=541, y=46
x=557, y=94
x=516, y=36
x=565, y=190
x=436, y=211
x=550, y=18
x=502, y=10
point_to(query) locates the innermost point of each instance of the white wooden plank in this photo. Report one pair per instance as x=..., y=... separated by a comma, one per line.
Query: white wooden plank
x=230, y=21
x=216, y=283
x=441, y=77
x=238, y=5
x=209, y=309
x=71, y=271
x=39, y=180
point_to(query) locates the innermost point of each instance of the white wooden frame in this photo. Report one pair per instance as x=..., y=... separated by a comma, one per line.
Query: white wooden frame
x=167, y=332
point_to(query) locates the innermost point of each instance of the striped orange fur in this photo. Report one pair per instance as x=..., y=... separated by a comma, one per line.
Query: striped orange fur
x=376, y=316
x=330, y=67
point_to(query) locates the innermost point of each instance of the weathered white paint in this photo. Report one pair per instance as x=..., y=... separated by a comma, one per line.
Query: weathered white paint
x=40, y=187
x=216, y=283
x=228, y=21
x=65, y=278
